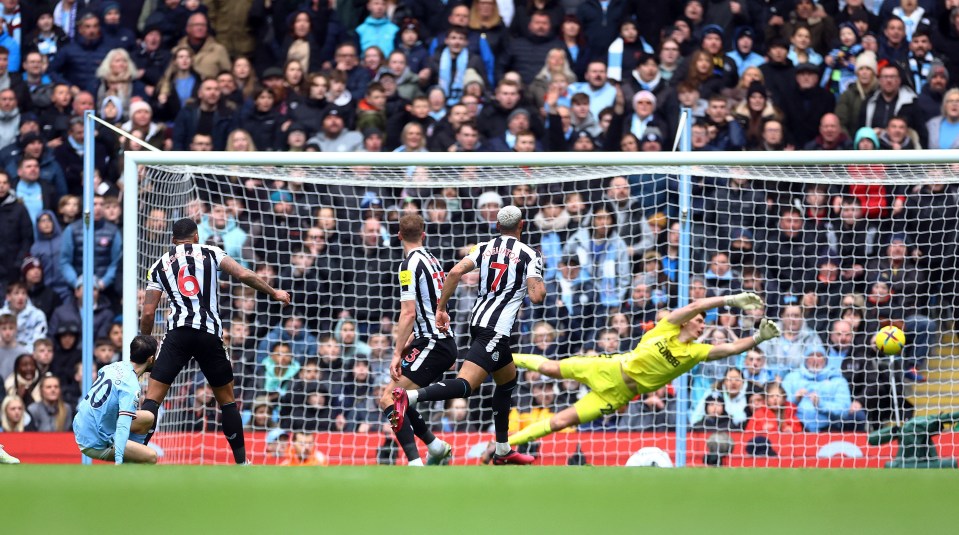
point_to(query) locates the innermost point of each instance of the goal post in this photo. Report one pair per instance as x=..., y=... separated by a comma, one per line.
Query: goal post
x=697, y=182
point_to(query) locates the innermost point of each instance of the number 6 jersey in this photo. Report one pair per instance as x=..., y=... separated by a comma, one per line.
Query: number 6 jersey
x=189, y=276
x=504, y=264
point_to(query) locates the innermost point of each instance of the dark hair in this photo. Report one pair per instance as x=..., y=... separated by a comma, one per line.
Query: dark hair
x=184, y=229
x=458, y=29
x=142, y=348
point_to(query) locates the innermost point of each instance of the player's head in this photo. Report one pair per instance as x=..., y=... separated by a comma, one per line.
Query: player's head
x=185, y=230
x=695, y=327
x=509, y=220
x=143, y=350
x=412, y=228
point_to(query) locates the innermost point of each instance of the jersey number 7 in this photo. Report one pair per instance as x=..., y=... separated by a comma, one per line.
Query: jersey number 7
x=500, y=270
x=187, y=284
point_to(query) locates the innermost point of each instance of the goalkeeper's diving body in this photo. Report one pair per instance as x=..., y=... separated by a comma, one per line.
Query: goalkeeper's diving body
x=666, y=352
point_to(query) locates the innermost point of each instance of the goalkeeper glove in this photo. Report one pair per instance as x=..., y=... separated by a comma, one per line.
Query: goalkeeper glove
x=767, y=331
x=745, y=301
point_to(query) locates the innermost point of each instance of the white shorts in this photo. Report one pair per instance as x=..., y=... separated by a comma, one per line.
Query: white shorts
x=101, y=454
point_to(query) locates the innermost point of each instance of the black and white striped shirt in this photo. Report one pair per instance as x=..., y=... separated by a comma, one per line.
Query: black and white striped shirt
x=504, y=264
x=188, y=274
x=421, y=278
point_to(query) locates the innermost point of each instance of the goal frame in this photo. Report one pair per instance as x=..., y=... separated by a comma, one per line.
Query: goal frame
x=683, y=163
x=133, y=159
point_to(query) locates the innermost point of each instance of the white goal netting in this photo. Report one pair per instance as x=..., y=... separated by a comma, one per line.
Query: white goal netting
x=836, y=251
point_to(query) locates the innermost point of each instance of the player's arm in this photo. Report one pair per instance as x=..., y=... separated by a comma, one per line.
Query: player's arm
x=535, y=287
x=124, y=421
x=148, y=314
x=745, y=301
x=449, y=286
x=128, y=411
x=251, y=279
x=401, y=336
x=767, y=331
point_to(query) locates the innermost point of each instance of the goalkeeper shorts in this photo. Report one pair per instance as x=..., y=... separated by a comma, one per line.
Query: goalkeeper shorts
x=604, y=377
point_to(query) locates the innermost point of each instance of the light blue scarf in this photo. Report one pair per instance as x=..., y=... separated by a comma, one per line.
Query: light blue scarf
x=453, y=87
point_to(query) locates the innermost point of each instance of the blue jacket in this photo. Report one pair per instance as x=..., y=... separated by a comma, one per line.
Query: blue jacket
x=303, y=344
x=108, y=247
x=231, y=239
x=828, y=384
x=47, y=250
x=76, y=64
x=610, y=270
x=50, y=170
x=377, y=32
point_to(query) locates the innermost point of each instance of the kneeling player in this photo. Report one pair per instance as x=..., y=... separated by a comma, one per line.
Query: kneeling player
x=431, y=352
x=666, y=352
x=108, y=424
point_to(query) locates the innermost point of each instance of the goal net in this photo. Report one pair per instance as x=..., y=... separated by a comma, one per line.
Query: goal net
x=837, y=251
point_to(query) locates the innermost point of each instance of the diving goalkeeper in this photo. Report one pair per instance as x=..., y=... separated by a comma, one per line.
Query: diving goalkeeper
x=665, y=352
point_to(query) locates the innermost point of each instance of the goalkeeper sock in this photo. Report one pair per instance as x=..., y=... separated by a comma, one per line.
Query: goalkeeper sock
x=233, y=431
x=405, y=434
x=153, y=408
x=530, y=362
x=502, y=401
x=420, y=429
x=441, y=391
x=531, y=432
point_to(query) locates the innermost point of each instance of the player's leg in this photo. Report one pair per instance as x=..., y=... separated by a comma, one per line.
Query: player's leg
x=141, y=426
x=539, y=364
x=138, y=453
x=404, y=435
x=585, y=410
x=173, y=356
x=506, y=380
x=218, y=371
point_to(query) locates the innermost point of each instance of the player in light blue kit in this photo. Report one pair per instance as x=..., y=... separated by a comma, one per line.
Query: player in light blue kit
x=108, y=424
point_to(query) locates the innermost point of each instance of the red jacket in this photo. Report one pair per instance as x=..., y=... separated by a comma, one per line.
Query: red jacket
x=765, y=420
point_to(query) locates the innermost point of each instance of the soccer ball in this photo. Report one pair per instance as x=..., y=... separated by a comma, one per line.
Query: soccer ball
x=650, y=456
x=890, y=340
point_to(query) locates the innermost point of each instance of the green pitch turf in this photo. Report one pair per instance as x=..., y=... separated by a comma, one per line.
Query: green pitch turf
x=173, y=500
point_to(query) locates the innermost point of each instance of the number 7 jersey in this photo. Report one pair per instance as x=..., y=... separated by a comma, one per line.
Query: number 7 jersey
x=504, y=265
x=189, y=276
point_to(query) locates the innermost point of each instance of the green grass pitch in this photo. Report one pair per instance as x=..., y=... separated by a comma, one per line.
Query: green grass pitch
x=588, y=500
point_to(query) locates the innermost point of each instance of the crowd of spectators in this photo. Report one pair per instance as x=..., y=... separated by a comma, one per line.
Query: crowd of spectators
x=833, y=262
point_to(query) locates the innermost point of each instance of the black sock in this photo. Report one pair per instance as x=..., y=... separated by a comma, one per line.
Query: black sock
x=443, y=390
x=405, y=434
x=233, y=430
x=420, y=428
x=153, y=408
x=502, y=402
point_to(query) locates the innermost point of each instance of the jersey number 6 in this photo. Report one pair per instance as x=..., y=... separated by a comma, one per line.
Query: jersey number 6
x=187, y=284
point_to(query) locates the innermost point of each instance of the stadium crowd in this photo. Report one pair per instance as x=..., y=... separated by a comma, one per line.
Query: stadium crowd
x=833, y=263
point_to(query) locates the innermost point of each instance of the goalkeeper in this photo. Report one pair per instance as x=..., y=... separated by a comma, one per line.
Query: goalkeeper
x=666, y=352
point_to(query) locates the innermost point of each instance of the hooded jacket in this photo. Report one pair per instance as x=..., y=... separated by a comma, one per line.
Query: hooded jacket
x=828, y=384
x=18, y=237
x=783, y=356
x=31, y=323
x=609, y=269
x=231, y=238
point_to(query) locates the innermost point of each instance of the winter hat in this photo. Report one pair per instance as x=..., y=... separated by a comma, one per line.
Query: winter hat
x=644, y=95
x=867, y=59
x=756, y=87
x=29, y=263
x=490, y=197
x=139, y=105
x=712, y=28
x=866, y=133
